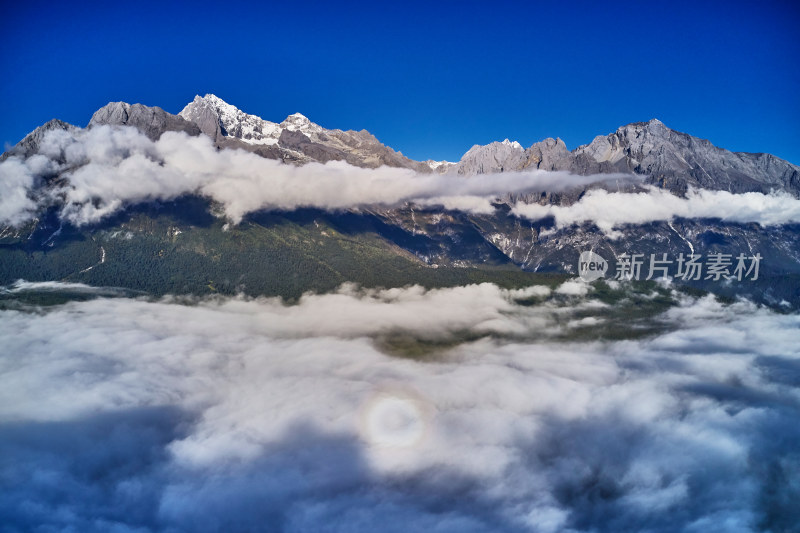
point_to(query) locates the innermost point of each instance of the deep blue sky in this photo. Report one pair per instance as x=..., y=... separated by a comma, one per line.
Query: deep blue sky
x=429, y=79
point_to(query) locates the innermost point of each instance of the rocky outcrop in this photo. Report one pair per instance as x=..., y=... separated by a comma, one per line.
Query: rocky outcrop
x=492, y=158
x=549, y=154
x=152, y=121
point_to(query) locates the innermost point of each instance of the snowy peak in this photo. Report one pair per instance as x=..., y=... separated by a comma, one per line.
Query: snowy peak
x=296, y=119
x=439, y=167
x=216, y=118
x=295, y=140
x=299, y=122
x=219, y=119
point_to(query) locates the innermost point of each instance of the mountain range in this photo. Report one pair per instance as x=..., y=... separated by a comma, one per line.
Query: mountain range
x=184, y=245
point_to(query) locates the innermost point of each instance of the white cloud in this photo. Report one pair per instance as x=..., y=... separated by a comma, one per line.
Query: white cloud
x=22, y=286
x=610, y=210
x=16, y=182
x=574, y=287
x=228, y=414
x=106, y=168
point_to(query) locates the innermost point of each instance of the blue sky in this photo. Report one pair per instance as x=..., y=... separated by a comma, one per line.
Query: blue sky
x=429, y=79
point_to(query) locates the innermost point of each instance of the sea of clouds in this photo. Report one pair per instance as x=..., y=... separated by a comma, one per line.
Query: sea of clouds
x=103, y=169
x=235, y=414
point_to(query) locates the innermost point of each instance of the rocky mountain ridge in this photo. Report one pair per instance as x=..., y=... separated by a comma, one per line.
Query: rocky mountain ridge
x=670, y=159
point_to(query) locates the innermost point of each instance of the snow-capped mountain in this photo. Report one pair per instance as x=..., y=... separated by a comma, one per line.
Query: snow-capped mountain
x=294, y=140
x=405, y=236
x=216, y=118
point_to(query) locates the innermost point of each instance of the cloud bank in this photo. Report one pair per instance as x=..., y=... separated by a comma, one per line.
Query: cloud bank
x=610, y=210
x=238, y=415
x=104, y=168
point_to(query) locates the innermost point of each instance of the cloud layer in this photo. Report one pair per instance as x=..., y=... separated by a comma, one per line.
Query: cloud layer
x=236, y=414
x=610, y=210
x=105, y=168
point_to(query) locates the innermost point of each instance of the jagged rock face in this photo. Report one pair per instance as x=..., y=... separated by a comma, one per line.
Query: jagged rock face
x=671, y=160
x=492, y=158
x=152, y=121
x=30, y=144
x=549, y=154
x=361, y=148
x=675, y=160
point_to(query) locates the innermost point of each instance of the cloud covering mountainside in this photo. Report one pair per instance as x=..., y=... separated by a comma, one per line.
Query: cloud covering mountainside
x=609, y=210
x=206, y=421
x=104, y=169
